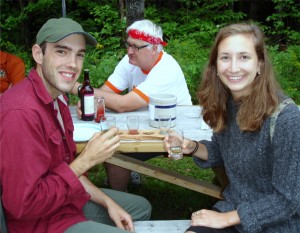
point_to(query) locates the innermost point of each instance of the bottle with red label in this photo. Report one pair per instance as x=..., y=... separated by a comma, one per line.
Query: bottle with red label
x=86, y=93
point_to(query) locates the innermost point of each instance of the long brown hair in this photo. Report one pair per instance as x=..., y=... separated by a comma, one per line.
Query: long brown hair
x=213, y=95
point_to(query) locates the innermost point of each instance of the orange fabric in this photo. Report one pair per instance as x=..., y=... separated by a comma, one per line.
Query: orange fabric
x=158, y=59
x=137, y=91
x=141, y=94
x=116, y=90
x=12, y=70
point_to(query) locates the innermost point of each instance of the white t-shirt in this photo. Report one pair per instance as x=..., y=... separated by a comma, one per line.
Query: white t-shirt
x=166, y=77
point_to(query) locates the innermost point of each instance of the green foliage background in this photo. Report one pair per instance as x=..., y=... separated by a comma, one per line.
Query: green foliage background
x=189, y=27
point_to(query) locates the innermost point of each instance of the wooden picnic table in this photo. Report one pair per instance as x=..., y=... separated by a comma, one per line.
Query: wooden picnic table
x=188, y=119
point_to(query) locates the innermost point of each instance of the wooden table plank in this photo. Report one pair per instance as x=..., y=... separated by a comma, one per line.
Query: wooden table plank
x=166, y=175
x=133, y=147
x=162, y=226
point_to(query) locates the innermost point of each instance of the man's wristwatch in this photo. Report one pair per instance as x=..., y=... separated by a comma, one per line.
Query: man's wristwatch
x=78, y=90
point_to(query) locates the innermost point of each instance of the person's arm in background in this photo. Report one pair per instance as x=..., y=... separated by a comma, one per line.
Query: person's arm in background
x=111, y=90
x=121, y=103
x=114, y=101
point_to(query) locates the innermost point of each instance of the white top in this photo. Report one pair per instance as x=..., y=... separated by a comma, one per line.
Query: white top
x=166, y=77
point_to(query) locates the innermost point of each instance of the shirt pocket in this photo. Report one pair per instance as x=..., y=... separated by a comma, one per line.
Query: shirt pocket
x=56, y=147
x=69, y=127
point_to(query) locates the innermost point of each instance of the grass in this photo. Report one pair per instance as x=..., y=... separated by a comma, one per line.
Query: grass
x=168, y=201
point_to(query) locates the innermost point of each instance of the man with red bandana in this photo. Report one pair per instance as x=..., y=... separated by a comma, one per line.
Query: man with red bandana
x=145, y=70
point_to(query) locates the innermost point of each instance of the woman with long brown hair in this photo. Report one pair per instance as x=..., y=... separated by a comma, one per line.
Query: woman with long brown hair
x=239, y=95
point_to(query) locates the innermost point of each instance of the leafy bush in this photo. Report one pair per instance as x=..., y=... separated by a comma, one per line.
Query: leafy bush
x=284, y=20
x=189, y=27
x=192, y=58
x=287, y=69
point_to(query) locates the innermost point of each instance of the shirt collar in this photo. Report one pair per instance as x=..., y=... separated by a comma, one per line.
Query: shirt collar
x=39, y=86
x=158, y=59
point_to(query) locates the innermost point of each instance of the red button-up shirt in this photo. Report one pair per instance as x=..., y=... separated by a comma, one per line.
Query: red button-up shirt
x=40, y=193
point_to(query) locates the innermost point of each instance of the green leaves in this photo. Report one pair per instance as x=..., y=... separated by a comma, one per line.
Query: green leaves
x=285, y=16
x=189, y=27
x=287, y=69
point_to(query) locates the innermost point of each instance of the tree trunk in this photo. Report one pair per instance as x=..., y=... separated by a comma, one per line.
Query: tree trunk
x=122, y=16
x=121, y=8
x=134, y=11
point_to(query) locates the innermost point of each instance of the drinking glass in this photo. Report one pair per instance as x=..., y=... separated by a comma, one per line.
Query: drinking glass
x=175, y=139
x=99, y=108
x=133, y=124
x=164, y=122
x=107, y=123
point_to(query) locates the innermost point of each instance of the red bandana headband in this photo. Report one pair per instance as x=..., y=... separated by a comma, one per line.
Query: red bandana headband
x=135, y=34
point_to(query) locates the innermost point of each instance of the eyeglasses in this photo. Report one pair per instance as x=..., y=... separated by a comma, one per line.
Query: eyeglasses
x=134, y=47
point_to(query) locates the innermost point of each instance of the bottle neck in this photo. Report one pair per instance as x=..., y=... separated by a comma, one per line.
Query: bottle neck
x=86, y=78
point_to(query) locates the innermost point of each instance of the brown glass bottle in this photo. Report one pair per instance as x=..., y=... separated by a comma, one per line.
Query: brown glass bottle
x=87, y=98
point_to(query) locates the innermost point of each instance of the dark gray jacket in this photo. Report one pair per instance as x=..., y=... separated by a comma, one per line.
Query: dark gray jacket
x=264, y=177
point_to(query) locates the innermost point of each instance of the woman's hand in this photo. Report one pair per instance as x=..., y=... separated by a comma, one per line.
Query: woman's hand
x=187, y=145
x=214, y=219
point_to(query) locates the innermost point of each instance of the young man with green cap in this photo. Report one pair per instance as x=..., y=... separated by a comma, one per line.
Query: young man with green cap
x=44, y=187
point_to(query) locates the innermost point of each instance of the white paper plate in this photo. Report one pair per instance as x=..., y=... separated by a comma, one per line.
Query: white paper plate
x=84, y=131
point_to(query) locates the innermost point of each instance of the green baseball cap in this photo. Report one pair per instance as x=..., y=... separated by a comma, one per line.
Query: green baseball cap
x=56, y=29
